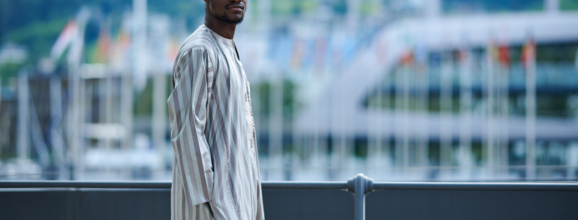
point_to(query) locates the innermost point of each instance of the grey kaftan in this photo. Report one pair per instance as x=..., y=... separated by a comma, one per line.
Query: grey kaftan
x=216, y=166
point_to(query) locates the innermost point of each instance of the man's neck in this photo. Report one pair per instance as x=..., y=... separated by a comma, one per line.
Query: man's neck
x=222, y=28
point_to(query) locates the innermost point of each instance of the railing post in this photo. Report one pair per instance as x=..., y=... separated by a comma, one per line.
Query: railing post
x=360, y=186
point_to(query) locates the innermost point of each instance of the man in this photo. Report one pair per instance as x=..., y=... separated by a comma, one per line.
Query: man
x=216, y=166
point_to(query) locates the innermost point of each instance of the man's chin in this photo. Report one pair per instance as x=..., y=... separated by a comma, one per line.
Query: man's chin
x=238, y=21
x=234, y=20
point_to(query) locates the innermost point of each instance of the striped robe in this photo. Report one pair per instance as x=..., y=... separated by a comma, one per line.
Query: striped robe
x=216, y=166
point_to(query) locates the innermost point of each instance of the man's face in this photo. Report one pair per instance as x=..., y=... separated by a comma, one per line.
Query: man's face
x=230, y=11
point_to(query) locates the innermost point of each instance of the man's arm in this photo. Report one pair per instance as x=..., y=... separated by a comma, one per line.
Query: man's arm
x=188, y=110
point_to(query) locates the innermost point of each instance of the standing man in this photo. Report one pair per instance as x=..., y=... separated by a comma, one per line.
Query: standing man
x=216, y=166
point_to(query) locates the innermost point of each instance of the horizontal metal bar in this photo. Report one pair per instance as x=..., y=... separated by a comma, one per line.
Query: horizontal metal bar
x=304, y=185
x=520, y=186
x=79, y=184
x=308, y=185
x=160, y=185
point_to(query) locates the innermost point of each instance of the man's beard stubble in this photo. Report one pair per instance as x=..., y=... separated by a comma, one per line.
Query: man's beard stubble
x=224, y=17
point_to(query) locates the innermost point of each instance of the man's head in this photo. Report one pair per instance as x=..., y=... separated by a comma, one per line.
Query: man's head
x=229, y=11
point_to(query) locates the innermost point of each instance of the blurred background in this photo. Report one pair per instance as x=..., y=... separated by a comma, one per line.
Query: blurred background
x=418, y=90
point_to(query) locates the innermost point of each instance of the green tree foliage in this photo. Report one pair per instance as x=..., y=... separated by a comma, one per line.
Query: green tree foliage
x=37, y=23
x=292, y=8
x=569, y=4
x=9, y=70
x=38, y=36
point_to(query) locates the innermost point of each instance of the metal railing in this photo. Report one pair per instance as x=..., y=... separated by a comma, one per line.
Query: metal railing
x=359, y=186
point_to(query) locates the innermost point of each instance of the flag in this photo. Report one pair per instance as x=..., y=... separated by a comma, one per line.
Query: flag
x=123, y=42
x=528, y=53
x=171, y=52
x=463, y=54
x=120, y=48
x=464, y=58
x=504, y=55
x=298, y=54
x=407, y=57
x=64, y=39
x=491, y=51
x=102, y=46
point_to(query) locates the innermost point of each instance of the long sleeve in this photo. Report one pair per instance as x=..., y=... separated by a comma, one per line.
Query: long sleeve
x=187, y=106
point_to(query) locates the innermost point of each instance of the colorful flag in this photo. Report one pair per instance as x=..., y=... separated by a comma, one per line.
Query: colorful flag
x=298, y=54
x=120, y=48
x=528, y=53
x=172, y=50
x=504, y=55
x=64, y=39
x=407, y=57
x=492, y=51
x=463, y=55
x=102, y=46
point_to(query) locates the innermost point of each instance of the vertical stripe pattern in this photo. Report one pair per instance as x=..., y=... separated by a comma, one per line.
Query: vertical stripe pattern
x=216, y=167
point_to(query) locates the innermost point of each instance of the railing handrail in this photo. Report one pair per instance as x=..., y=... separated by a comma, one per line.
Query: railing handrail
x=532, y=186
x=86, y=184
x=525, y=186
x=160, y=184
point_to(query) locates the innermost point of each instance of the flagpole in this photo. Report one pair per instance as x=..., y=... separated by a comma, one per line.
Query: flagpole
x=531, y=113
x=386, y=140
x=23, y=150
x=64, y=40
x=423, y=146
x=446, y=109
x=75, y=124
x=378, y=125
x=276, y=126
x=298, y=139
x=105, y=111
x=139, y=73
x=490, y=110
x=159, y=115
x=413, y=137
x=421, y=105
x=506, y=117
x=105, y=85
x=503, y=108
x=400, y=119
x=466, y=112
x=56, y=130
x=72, y=120
x=373, y=128
x=406, y=96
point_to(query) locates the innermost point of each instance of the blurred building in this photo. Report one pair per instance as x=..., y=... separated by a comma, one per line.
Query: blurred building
x=400, y=90
x=444, y=97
